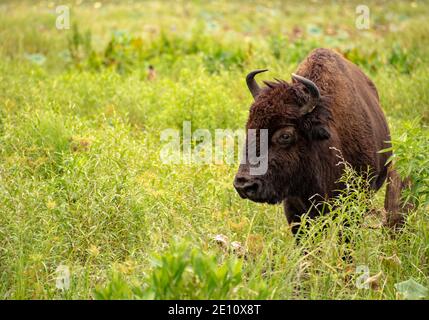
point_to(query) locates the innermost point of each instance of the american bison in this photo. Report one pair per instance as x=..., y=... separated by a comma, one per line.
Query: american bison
x=330, y=106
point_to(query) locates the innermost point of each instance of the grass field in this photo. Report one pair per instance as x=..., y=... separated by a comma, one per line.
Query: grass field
x=84, y=196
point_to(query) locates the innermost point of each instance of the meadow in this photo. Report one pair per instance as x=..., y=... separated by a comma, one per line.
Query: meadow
x=84, y=195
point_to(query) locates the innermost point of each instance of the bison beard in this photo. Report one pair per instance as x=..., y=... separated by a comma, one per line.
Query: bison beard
x=330, y=106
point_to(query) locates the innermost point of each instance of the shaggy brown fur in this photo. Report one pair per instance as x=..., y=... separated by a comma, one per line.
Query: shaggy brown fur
x=347, y=118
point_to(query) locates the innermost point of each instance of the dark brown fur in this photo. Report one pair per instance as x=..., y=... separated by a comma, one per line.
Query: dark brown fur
x=348, y=119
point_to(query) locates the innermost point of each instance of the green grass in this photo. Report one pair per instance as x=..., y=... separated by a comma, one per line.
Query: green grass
x=82, y=185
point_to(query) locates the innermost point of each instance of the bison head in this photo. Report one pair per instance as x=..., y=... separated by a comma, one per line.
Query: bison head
x=296, y=122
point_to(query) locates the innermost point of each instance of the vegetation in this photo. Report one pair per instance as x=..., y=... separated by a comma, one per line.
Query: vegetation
x=81, y=181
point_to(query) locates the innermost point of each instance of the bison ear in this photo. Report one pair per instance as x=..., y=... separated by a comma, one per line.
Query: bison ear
x=320, y=133
x=313, y=91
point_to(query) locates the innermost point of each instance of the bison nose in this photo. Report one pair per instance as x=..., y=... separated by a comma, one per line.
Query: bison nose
x=246, y=186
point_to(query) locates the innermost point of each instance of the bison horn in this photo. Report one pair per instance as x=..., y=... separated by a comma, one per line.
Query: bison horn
x=314, y=93
x=251, y=82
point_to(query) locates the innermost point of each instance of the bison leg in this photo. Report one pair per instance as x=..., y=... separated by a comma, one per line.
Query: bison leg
x=394, y=206
x=294, y=208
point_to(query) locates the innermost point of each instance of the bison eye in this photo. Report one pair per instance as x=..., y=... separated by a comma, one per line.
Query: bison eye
x=285, y=138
